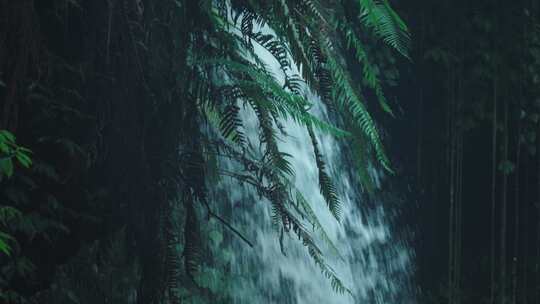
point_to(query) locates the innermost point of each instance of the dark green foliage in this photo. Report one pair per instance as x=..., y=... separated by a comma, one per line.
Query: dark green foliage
x=477, y=75
x=9, y=152
x=326, y=185
x=101, y=272
x=192, y=248
x=378, y=14
x=230, y=124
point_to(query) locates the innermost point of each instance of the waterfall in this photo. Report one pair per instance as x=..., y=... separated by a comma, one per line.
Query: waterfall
x=373, y=263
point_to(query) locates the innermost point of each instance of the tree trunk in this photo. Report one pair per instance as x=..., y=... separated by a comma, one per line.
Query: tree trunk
x=493, y=192
x=537, y=205
x=525, y=238
x=502, y=261
x=452, y=178
x=516, y=214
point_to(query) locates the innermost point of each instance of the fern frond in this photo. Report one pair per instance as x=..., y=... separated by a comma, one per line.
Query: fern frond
x=326, y=186
x=265, y=90
x=273, y=156
x=294, y=84
x=294, y=36
x=314, y=221
x=275, y=47
x=368, y=69
x=278, y=196
x=227, y=122
x=362, y=152
x=316, y=9
x=192, y=248
x=347, y=98
x=172, y=263
x=278, y=193
x=231, y=124
x=379, y=15
x=316, y=255
x=192, y=173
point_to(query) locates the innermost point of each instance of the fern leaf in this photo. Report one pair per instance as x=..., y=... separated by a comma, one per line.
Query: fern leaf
x=368, y=69
x=192, y=248
x=379, y=15
x=231, y=124
x=348, y=99
x=313, y=220
x=326, y=185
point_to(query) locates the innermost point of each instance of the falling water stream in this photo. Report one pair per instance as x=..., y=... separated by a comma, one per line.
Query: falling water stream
x=375, y=264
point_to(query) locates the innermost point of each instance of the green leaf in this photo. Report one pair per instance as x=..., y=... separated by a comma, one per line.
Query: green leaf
x=6, y=167
x=4, y=148
x=8, y=136
x=25, y=150
x=23, y=159
x=7, y=214
x=4, y=246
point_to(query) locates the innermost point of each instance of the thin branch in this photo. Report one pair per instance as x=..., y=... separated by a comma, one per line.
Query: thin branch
x=226, y=224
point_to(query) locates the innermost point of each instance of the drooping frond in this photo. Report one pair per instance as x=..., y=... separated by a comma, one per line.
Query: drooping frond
x=287, y=27
x=386, y=23
x=326, y=186
x=192, y=248
x=294, y=84
x=368, y=69
x=332, y=79
x=348, y=98
x=278, y=192
x=223, y=116
x=316, y=255
x=282, y=215
x=231, y=124
x=265, y=90
x=316, y=9
x=313, y=220
x=273, y=157
x=172, y=261
x=274, y=47
x=362, y=152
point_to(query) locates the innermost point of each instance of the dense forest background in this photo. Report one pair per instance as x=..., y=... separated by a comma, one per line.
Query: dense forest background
x=104, y=160
x=474, y=110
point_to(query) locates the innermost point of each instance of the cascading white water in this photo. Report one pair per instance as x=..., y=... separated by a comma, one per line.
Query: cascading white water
x=375, y=266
